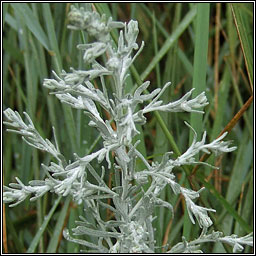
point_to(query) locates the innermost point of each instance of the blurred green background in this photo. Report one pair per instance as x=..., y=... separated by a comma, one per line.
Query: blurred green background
x=206, y=46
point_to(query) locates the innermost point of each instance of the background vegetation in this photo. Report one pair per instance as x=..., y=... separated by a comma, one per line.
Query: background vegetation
x=206, y=46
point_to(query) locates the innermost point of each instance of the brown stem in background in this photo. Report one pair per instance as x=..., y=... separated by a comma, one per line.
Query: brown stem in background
x=168, y=229
x=228, y=128
x=218, y=174
x=109, y=199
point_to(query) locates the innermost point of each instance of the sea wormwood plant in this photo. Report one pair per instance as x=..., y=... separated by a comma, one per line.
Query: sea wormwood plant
x=131, y=230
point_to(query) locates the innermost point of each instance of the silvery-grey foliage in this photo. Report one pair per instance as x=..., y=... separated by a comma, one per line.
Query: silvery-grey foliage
x=216, y=236
x=131, y=230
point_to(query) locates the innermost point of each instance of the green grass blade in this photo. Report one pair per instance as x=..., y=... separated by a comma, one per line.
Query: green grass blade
x=219, y=121
x=158, y=76
x=241, y=103
x=31, y=72
x=169, y=42
x=243, y=163
x=103, y=8
x=245, y=38
x=5, y=9
x=11, y=21
x=185, y=61
x=224, y=202
x=9, y=47
x=52, y=248
x=13, y=232
x=167, y=134
x=52, y=36
x=247, y=211
x=199, y=81
x=68, y=114
x=73, y=216
x=40, y=232
x=200, y=62
x=163, y=31
x=32, y=22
